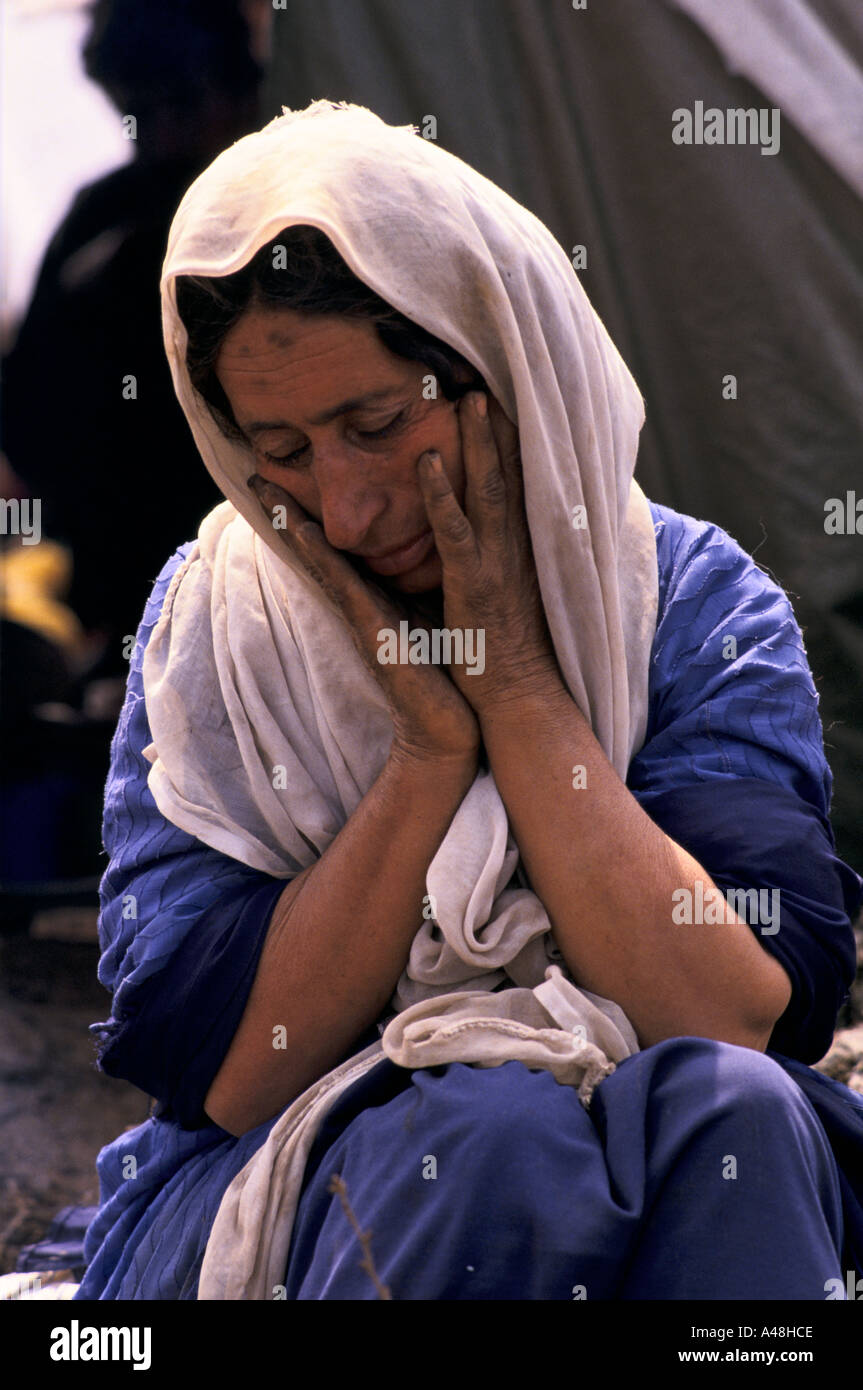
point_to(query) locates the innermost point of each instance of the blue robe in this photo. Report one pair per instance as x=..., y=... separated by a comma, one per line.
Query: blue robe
x=532, y=1196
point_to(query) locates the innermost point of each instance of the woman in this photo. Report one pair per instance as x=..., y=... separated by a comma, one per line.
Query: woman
x=336, y=862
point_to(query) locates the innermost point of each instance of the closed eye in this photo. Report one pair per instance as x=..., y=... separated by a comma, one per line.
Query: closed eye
x=289, y=460
x=286, y=460
x=382, y=433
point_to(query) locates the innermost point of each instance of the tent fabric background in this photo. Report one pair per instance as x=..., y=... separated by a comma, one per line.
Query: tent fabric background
x=785, y=50
x=703, y=261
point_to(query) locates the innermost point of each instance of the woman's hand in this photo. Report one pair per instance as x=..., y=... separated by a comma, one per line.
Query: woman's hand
x=430, y=718
x=489, y=575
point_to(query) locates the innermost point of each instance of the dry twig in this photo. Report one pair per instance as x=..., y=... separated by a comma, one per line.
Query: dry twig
x=337, y=1186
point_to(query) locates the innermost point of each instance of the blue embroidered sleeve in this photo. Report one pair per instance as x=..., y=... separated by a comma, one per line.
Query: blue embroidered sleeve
x=181, y=925
x=733, y=764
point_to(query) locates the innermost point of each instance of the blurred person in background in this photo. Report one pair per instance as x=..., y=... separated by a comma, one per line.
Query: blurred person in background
x=95, y=446
x=91, y=424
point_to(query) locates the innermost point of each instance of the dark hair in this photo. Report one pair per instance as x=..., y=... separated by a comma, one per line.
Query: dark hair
x=299, y=269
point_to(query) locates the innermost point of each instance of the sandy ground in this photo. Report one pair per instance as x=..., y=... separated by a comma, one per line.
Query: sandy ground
x=57, y=1110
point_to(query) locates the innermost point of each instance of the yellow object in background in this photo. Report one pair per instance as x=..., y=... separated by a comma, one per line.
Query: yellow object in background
x=33, y=582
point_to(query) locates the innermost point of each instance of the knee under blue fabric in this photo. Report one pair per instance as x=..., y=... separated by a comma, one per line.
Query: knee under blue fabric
x=701, y=1171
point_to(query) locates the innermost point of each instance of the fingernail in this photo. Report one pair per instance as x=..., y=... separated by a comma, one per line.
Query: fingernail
x=480, y=405
x=433, y=461
x=262, y=489
x=266, y=493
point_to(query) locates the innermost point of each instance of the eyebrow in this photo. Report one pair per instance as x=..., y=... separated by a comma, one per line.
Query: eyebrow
x=356, y=403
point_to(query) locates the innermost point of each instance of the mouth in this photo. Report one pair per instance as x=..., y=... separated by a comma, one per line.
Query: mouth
x=404, y=557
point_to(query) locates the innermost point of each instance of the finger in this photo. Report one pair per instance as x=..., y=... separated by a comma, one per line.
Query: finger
x=454, y=537
x=292, y=525
x=509, y=452
x=486, y=491
x=507, y=439
x=269, y=495
x=331, y=570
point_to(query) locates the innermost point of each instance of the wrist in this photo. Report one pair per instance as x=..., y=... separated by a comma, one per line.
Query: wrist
x=535, y=697
x=454, y=766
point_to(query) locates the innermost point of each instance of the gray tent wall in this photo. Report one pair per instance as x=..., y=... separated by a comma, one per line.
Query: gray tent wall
x=704, y=261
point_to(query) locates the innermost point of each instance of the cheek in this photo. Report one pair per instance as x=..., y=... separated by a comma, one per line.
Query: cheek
x=300, y=486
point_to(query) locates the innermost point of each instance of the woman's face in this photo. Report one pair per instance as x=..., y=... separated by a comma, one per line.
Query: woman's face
x=339, y=422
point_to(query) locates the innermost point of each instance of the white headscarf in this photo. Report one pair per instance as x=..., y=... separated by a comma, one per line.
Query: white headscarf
x=250, y=670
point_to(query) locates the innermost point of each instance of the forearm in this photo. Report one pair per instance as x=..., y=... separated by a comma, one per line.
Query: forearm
x=606, y=874
x=338, y=941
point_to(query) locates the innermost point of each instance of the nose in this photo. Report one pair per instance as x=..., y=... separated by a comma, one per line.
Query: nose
x=350, y=503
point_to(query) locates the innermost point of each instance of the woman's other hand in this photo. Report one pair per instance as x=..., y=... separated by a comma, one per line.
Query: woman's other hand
x=490, y=584
x=431, y=719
